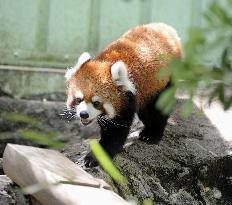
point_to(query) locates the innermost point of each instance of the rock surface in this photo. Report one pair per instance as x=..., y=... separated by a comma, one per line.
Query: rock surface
x=55, y=96
x=9, y=193
x=192, y=164
x=3, y=93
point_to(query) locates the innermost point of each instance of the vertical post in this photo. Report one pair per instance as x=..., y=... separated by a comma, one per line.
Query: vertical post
x=145, y=11
x=93, y=38
x=42, y=25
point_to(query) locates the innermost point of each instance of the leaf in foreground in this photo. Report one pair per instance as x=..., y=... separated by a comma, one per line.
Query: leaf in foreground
x=41, y=138
x=106, y=163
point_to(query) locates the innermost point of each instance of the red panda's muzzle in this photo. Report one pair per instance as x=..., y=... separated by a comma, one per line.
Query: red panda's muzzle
x=85, y=122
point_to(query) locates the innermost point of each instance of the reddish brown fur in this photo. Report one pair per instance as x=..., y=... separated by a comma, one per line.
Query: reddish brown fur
x=94, y=79
x=145, y=50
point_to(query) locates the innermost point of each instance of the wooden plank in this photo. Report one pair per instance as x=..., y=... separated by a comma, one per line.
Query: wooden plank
x=145, y=11
x=42, y=28
x=28, y=166
x=94, y=20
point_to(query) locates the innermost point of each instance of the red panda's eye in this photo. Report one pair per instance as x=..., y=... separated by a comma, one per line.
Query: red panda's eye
x=96, y=104
x=78, y=101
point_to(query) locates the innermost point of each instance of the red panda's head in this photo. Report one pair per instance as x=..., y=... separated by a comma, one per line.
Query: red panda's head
x=96, y=88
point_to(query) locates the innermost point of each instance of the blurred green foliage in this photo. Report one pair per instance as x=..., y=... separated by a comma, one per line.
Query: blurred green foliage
x=148, y=202
x=106, y=162
x=207, y=61
x=21, y=118
x=44, y=138
x=35, y=131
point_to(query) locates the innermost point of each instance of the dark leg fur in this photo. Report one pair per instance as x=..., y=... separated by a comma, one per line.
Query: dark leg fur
x=153, y=120
x=113, y=135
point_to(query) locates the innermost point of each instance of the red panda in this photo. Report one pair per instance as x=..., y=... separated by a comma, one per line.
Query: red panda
x=121, y=81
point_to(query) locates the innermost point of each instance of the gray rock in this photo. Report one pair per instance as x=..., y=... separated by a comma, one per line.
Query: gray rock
x=49, y=120
x=1, y=166
x=55, y=96
x=190, y=165
x=9, y=194
x=47, y=115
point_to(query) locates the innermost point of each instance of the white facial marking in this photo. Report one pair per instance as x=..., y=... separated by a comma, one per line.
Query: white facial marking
x=69, y=102
x=93, y=112
x=70, y=99
x=109, y=109
x=79, y=94
x=120, y=76
x=88, y=107
x=81, y=107
x=95, y=98
x=81, y=60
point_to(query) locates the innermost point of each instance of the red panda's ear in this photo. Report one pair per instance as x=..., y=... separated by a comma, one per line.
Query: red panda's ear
x=119, y=72
x=84, y=57
x=120, y=76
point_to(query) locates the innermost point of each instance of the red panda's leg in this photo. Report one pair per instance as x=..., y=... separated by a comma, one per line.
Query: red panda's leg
x=154, y=121
x=114, y=132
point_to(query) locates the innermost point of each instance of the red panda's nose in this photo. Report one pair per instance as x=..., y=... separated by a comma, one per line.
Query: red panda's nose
x=84, y=114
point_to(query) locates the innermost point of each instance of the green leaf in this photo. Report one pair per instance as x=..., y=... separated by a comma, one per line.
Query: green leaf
x=211, y=96
x=20, y=118
x=207, y=59
x=148, y=202
x=41, y=137
x=106, y=163
x=169, y=106
x=186, y=108
x=163, y=73
x=221, y=93
x=225, y=58
x=209, y=18
x=229, y=2
x=167, y=100
x=228, y=103
x=220, y=13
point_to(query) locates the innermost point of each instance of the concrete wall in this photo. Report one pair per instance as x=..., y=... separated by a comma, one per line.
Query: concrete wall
x=53, y=33
x=21, y=81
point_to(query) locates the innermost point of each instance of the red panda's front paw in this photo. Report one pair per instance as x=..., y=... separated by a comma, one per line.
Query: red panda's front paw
x=90, y=160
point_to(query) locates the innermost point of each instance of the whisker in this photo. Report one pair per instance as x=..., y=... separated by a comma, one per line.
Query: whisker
x=68, y=114
x=123, y=125
x=71, y=117
x=102, y=123
x=105, y=120
x=112, y=121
